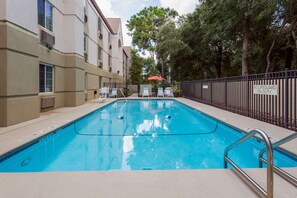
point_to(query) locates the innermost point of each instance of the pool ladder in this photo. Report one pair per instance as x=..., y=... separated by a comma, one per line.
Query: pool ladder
x=123, y=94
x=270, y=167
x=290, y=178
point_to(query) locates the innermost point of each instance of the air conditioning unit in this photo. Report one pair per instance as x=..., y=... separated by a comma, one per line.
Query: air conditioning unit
x=86, y=57
x=47, y=102
x=101, y=36
x=47, y=39
x=100, y=64
x=86, y=18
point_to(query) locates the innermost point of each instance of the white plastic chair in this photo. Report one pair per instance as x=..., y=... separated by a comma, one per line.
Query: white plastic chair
x=160, y=92
x=168, y=92
x=145, y=92
x=114, y=92
x=104, y=92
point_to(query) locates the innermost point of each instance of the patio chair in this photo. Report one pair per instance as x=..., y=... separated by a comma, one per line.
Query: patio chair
x=168, y=92
x=160, y=92
x=103, y=94
x=145, y=92
x=114, y=92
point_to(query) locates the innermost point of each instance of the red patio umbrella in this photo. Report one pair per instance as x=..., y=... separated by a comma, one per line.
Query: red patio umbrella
x=151, y=78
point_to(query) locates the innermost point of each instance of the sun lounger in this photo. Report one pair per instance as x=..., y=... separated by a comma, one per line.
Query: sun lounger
x=114, y=92
x=168, y=92
x=160, y=92
x=145, y=92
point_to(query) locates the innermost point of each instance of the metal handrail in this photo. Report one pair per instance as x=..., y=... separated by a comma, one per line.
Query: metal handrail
x=123, y=94
x=287, y=176
x=252, y=183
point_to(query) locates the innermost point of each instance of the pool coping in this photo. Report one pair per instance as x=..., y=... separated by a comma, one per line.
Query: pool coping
x=10, y=133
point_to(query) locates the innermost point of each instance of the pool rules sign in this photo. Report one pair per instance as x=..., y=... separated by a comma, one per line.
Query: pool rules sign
x=270, y=90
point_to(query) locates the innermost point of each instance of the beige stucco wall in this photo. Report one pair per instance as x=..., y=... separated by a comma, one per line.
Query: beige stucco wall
x=21, y=53
x=19, y=73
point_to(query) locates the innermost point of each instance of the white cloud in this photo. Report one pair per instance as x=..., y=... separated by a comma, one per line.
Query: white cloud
x=182, y=7
x=106, y=7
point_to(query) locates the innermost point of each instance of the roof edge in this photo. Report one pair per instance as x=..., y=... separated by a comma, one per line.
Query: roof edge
x=102, y=15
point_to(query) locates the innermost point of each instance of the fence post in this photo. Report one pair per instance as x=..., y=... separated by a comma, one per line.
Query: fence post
x=286, y=101
x=211, y=92
x=226, y=94
x=248, y=96
x=194, y=87
x=201, y=91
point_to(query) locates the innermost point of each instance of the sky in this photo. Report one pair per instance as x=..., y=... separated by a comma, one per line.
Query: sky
x=124, y=9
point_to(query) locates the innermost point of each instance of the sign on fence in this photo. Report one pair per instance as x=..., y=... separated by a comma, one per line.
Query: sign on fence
x=265, y=89
x=205, y=86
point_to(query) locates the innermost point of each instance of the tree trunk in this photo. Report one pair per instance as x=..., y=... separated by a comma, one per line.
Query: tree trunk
x=219, y=61
x=245, y=45
x=268, y=58
x=295, y=37
x=274, y=65
x=289, y=57
x=162, y=67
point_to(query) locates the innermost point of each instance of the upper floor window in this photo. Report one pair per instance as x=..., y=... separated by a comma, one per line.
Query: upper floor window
x=99, y=25
x=45, y=14
x=99, y=53
x=85, y=43
x=86, y=47
x=109, y=60
x=45, y=78
x=109, y=37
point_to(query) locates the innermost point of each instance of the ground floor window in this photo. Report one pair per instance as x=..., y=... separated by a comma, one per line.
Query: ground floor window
x=45, y=78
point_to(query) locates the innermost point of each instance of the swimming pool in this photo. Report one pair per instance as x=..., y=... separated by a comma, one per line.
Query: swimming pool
x=139, y=135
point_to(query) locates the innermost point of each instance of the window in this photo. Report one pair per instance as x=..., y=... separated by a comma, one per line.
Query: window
x=85, y=43
x=45, y=14
x=86, y=47
x=99, y=53
x=45, y=78
x=109, y=60
x=99, y=24
x=109, y=37
x=100, y=82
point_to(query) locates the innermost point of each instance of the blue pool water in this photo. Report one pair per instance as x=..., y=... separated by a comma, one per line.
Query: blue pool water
x=139, y=135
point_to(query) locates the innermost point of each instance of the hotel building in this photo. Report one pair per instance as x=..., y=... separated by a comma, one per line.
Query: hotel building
x=56, y=54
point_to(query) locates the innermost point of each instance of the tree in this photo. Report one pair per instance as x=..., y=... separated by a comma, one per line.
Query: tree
x=284, y=38
x=170, y=45
x=136, y=67
x=144, y=27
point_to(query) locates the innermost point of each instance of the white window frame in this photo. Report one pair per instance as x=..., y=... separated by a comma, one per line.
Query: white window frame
x=47, y=2
x=45, y=23
x=53, y=78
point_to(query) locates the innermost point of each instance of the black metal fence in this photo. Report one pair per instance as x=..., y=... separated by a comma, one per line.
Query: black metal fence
x=268, y=97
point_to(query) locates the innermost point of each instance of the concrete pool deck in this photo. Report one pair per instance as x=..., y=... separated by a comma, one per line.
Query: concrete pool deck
x=189, y=183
